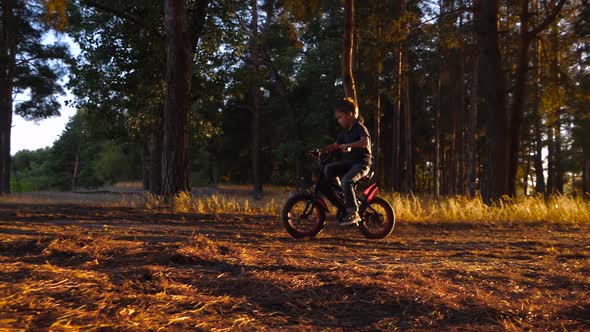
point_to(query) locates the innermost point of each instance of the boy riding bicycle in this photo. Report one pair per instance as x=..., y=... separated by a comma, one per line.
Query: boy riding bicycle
x=355, y=163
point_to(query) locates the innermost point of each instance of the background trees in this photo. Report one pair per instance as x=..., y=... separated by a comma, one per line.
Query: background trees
x=456, y=103
x=29, y=67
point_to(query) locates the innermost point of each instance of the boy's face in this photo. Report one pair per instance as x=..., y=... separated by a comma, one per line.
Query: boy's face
x=345, y=119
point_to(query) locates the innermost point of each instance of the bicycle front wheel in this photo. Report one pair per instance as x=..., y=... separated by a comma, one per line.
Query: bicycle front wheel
x=378, y=219
x=303, y=217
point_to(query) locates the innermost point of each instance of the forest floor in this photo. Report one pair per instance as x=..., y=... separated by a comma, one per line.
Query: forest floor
x=88, y=266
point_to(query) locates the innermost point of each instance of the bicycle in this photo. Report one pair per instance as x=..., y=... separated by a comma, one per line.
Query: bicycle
x=304, y=214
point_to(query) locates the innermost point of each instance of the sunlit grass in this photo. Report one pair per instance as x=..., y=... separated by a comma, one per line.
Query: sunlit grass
x=408, y=208
x=214, y=203
x=558, y=208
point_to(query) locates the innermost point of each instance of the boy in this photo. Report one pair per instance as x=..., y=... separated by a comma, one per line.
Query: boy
x=355, y=163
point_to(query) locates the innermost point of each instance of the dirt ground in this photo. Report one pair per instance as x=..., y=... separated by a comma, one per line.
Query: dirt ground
x=85, y=267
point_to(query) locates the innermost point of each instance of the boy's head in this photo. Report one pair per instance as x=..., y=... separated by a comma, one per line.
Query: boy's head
x=346, y=112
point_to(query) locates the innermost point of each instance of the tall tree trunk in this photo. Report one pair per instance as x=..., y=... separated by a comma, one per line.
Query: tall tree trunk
x=470, y=129
x=437, y=141
x=558, y=162
x=527, y=171
x=557, y=181
x=76, y=166
x=155, y=161
x=492, y=99
x=507, y=58
x=7, y=63
x=377, y=136
x=444, y=171
x=396, y=126
x=550, y=161
x=460, y=129
x=377, y=124
x=145, y=161
x=445, y=93
x=520, y=87
x=586, y=170
x=256, y=174
x=539, y=173
x=518, y=96
x=176, y=120
x=454, y=110
x=409, y=173
x=347, y=51
x=461, y=111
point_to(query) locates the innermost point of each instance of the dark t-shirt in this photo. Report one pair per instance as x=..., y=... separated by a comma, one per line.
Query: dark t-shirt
x=361, y=155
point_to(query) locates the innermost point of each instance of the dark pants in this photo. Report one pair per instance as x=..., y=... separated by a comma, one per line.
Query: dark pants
x=349, y=172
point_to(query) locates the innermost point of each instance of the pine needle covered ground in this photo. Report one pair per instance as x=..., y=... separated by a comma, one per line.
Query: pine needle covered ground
x=85, y=266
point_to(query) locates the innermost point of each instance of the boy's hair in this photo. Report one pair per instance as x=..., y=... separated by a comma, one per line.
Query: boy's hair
x=347, y=105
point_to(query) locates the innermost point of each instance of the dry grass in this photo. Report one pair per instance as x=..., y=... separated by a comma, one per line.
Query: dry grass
x=81, y=267
x=558, y=208
x=408, y=208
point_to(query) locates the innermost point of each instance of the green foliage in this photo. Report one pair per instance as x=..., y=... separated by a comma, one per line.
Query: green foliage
x=119, y=83
x=31, y=170
x=111, y=164
x=40, y=64
x=100, y=161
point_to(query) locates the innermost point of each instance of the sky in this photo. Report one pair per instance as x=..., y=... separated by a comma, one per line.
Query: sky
x=32, y=135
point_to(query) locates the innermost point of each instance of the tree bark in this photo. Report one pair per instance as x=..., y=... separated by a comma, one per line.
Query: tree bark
x=145, y=161
x=155, y=161
x=396, y=126
x=518, y=101
x=176, y=120
x=538, y=164
x=520, y=87
x=255, y=147
x=437, y=141
x=550, y=161
x=76, y=164
x=377, y=120
x=527, y=170
x=7, y=64
x=347, y=51
x=586, y=170
x=471, y=127
x=461, y=113
x=558, y=162
x=409, y=173
x=460, y=123
x=492, y=99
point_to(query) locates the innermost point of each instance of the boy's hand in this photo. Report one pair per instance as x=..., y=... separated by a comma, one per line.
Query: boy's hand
x=344, y=147
x=313, y=153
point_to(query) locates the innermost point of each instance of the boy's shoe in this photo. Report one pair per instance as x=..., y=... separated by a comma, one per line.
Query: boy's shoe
x=352, y=218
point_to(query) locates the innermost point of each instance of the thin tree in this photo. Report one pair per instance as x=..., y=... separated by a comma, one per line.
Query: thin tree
x=470, y=129
x=347, y=51
x=7, y=66
x=255, y=95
